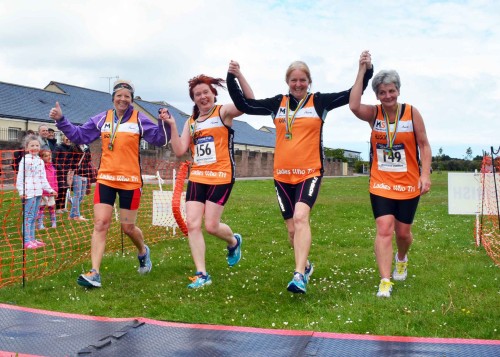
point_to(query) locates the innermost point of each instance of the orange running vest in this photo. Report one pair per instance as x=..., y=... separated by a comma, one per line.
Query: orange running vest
x=211, y=150
x=394, y=175
x=120, y=167
x=300, y=157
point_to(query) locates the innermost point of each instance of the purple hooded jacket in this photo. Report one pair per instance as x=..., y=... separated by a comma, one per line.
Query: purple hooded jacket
x=155, y=134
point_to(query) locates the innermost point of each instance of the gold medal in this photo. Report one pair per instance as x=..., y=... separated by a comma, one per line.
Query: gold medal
x=289, y=120
x=114, y=129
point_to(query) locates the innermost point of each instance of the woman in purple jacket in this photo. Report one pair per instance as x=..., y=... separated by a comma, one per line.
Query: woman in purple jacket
x=120, y=130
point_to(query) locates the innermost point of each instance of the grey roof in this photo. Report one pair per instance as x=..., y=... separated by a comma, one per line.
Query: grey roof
x=101, y=101
x=79, y=104
x=152, y=108
x=269, y=129
x=246, y=134
x=26, y=102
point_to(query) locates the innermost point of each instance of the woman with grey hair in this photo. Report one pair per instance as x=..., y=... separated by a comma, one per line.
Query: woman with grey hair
x=400, y=161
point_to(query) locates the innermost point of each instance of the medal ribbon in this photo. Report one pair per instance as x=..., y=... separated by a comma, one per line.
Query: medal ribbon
x=290, y=120
x=114, y=127
x=192, y=129
x=391, y=136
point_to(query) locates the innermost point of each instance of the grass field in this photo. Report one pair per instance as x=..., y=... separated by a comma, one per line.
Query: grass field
x=453, y=287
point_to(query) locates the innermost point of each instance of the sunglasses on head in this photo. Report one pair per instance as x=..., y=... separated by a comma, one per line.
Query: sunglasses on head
x=123, y=86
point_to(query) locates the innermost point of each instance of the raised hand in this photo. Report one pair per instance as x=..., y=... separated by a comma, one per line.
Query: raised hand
x=164, y=115
x=56, y=112
x=365, y=59
x=234, y=68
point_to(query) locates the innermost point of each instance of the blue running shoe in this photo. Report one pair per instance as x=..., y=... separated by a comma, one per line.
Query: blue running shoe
x=92, y=279
x=145, y=264
x=234, y=254
x=200, y=280
x=298, y=284
x=308, y=272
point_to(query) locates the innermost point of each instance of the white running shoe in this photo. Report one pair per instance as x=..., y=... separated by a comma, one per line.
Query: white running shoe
x=400, y=272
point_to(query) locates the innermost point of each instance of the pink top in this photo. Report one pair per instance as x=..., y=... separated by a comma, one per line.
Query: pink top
x=50, y=172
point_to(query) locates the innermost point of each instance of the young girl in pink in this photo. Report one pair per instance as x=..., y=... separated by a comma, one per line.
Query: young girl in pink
x=30, y=183
x=48, y=199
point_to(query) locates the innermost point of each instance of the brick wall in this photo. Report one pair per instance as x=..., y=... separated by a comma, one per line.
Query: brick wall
x=248, y=163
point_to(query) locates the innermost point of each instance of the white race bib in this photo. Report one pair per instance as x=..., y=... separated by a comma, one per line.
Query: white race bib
x=392, y=160
x=204, y=150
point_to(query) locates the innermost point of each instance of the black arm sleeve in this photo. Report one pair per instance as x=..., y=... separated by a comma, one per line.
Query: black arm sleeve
x=329, y=101
x=267, y=106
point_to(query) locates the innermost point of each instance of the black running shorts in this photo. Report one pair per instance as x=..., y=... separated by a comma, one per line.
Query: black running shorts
x=289, y=194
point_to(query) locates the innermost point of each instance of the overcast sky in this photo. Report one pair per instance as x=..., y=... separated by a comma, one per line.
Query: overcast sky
x=446, y=52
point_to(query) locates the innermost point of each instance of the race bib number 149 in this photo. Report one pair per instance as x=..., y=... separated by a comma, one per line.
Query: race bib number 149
x=392, y=160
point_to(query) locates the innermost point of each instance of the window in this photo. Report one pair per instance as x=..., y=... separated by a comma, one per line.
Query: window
x=14, y=134
x=144, y=145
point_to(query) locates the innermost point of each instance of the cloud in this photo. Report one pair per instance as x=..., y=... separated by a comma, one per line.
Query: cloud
x=445, y=51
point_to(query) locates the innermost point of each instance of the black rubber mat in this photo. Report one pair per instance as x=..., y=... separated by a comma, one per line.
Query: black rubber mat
x=43, y=333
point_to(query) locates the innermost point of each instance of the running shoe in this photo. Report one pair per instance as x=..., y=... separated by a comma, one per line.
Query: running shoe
x=145, y=264
x=92, y=279
x=309, y=271
x=385, y=288
x=234, y=253
x=31, y=245
x=298, y=284
x=199, y=280
x=79, y=219
x=400, y=271
x=40, y=243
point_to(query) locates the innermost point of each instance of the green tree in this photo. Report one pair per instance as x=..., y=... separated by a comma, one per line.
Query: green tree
x=439, y=159
x=335, y=154
x=468, y=153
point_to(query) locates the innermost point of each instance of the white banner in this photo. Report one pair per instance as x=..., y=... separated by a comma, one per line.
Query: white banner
x=464, y=192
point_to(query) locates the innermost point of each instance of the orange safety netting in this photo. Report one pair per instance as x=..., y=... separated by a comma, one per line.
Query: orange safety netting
x=67, y=241
x=178, y=209
x=487, y=224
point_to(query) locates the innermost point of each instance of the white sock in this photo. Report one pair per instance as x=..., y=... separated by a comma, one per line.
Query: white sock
x=402, y=261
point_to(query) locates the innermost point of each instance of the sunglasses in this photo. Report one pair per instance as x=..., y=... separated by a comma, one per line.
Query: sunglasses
x=123, y=86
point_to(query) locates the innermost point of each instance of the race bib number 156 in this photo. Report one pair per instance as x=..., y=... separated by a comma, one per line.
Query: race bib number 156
x=204, y=150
